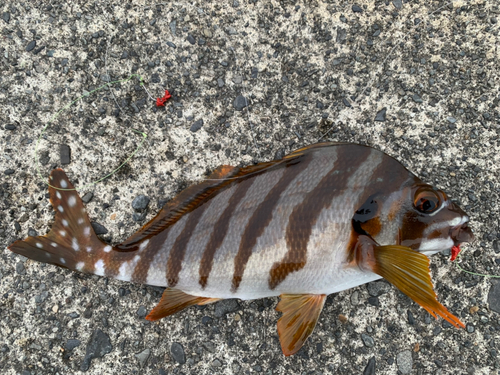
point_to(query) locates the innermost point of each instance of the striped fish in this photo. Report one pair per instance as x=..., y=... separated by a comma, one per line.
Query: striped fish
x=323, y=219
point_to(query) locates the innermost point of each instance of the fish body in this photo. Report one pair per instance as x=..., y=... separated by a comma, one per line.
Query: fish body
x=325, y=218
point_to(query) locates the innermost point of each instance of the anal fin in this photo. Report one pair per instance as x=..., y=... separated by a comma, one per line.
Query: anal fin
x=300, y=314
x=173, y=301
x=408, y=270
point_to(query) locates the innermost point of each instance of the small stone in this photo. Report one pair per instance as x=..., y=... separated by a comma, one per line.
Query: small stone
x=72, y=344
x=196, y=125
x=355, y=298
x=377, y=288
x=98, y=228
x=470, y=328
x=404, y=361
x=207, y=32
x=87, y=197
x=98, y=346
x=367, y=340
x=142, y=312
x=9, y=171
x=226, y=306
x=494, y=296
x=210, y=346
x=6, y=16
x=417, y=99
x=10, y=127
x=31, y=45
x=173, y=26
x=398, y=4
x=20, y=268
x=346, y=102
x=370, y=367
x=139, y=216
x=240, y=102
x=216, y=363
x=237, y=80
x=170, y=44
x=65, y=154
x=140, y=202
x=357, y=9
x=177, y=352
x=32, y=232
x=220, y=82
x=380, y=116
x=191, y=39
x=143, y=356
x=451, y=120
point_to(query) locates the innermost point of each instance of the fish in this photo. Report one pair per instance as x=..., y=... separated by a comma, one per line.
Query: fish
x=325, y=218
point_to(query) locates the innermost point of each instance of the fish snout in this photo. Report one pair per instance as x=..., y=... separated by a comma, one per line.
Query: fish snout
x=461, y=233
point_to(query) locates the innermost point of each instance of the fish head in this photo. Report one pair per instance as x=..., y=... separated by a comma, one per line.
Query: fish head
x=431, y=222
x=418, y=216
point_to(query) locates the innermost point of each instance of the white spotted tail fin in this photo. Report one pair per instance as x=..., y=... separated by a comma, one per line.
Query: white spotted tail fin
x=71, y=243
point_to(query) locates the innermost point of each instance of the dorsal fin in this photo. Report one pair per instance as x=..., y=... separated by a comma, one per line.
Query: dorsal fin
x=195, y=195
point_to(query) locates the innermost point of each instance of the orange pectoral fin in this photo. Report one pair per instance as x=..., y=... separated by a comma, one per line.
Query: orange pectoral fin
x=300, y=314
x=173, y=301
x=408, y=270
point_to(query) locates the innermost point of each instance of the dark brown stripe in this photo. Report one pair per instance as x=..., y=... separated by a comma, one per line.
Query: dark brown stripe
x=262, y=216
x=220, y=231
x=154, y=245
x=304, y=215
x=174, y=264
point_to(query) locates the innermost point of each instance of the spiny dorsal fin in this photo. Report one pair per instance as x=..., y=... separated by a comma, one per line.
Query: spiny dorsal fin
x=195, y=195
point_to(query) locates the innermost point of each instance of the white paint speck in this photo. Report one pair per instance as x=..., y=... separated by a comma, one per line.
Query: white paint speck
x=53, y=244
x=89, y=249
x=62, y=233
x=63, y=261
x=81, y=220
x=107, y=249
x=74, y=244
x=65, y=222
x=72, y=201
x=60, y=208
x=143, y=245
x=39, y=245
x=99, y=267
x=86, y=231
x=64, y=184
x=79, y=266
x=58, y=195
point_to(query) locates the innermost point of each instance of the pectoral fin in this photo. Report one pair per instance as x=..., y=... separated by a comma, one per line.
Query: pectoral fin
x=300, y=314
x=173, y=301
x=408, y=270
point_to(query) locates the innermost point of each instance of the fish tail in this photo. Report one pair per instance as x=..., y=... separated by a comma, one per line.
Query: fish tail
x=72, y=242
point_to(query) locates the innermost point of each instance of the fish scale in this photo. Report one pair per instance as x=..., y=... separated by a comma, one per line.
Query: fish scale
x=323, y=219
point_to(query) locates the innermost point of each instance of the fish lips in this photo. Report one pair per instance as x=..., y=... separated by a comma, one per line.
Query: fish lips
x=461, y=233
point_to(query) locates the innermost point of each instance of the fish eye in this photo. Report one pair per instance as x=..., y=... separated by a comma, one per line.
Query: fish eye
x=426, y=200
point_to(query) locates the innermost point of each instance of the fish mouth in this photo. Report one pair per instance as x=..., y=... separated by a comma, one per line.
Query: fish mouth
x=461, y=233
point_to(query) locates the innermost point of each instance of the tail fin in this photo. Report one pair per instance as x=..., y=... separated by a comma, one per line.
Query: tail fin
x=71, y=243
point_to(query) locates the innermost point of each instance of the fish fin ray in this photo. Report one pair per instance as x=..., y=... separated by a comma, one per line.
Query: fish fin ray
x=408, y=270
x=196, y=195
x=71, y=234
x=173, y=301
x=300, y=314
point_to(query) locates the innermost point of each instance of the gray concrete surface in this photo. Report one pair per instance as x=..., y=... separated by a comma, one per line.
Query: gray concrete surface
x=303, y=66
